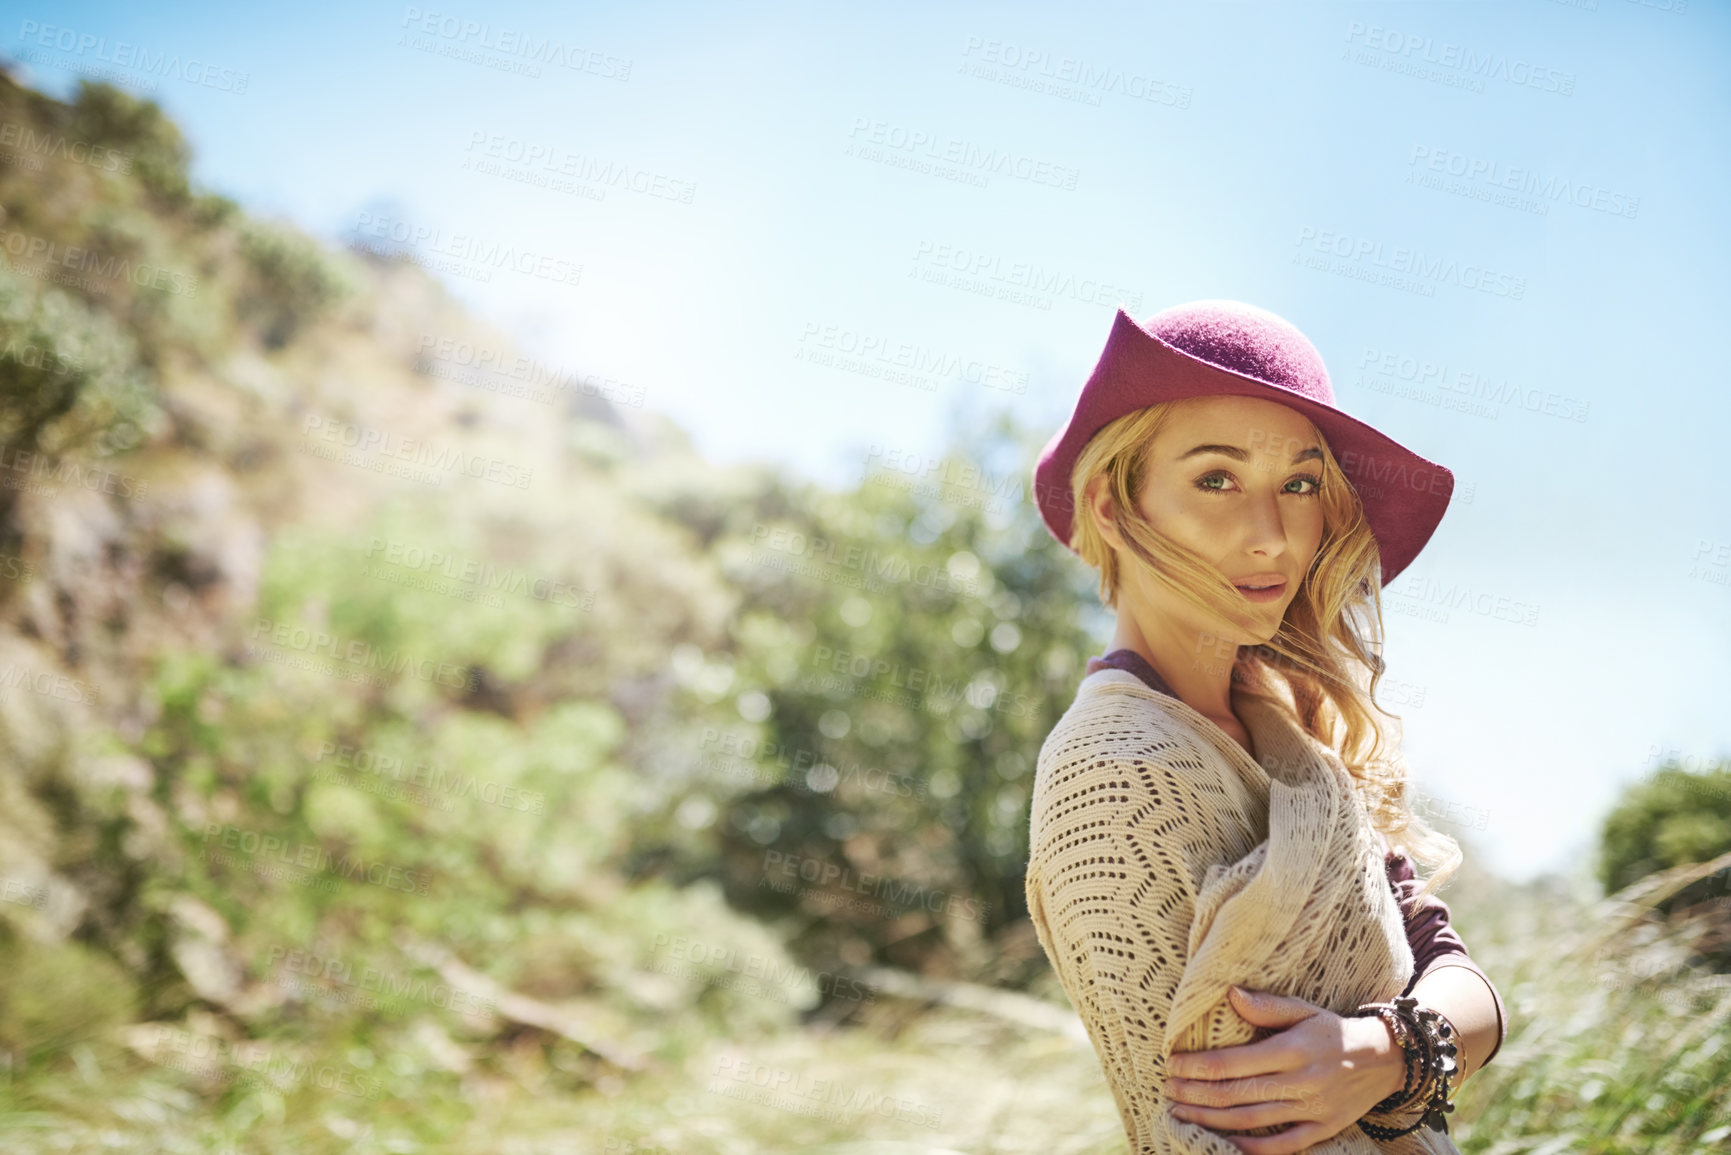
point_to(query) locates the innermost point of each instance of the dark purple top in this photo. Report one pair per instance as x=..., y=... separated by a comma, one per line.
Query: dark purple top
x=1435, y=944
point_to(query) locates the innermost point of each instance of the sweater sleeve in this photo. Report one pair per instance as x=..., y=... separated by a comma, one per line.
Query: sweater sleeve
x=1116, y=860
x=1435, y=943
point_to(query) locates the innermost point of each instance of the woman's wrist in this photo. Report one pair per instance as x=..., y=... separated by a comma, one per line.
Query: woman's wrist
x=1391, y=1059
x=1428, y=1038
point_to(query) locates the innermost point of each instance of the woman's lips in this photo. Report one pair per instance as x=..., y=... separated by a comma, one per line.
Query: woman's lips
x=1271, y=594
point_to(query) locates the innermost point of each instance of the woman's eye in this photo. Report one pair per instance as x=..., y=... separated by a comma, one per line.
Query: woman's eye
x=1313, y=483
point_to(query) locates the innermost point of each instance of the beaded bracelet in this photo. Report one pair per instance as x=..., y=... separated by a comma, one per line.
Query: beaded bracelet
x=1416, y=1053
x=1430, y=1041
x=1412, y=1063
x=1429, y=1047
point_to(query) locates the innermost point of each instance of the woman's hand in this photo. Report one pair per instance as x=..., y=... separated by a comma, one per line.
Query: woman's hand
x=1319, y=1071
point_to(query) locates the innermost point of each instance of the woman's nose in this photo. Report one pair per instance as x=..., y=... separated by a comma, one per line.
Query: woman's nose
x=1266, y=533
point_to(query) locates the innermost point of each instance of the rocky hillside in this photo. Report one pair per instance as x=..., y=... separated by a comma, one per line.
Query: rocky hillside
x=375, y=698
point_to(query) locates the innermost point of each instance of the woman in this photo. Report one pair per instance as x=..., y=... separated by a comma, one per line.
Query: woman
x=1212, y=868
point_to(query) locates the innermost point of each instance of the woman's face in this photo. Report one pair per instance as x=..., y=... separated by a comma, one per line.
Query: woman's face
x=1235, y=479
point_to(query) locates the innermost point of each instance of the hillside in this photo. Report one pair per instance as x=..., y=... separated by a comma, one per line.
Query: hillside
x=408, y=746
x=340, y=728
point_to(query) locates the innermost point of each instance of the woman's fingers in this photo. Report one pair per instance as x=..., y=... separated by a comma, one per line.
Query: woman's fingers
x=1237, y=1092
x=1266, y=1056
x=1300, y=1137
x=1243, y=1118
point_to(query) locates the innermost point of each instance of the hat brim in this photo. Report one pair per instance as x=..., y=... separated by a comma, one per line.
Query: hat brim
x=1404, y=495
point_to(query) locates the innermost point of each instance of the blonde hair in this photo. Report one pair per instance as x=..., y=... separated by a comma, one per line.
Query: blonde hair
x=1326, y=654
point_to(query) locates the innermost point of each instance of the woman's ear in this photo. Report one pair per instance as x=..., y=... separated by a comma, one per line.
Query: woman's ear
x=1099, y=500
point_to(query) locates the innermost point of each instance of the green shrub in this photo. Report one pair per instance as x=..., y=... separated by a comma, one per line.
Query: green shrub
x=291, y=281
x=1674, y=817
x=57, y=996
x=106, y=115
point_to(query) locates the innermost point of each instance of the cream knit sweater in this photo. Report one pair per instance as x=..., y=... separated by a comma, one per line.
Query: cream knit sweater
x=1165, y=865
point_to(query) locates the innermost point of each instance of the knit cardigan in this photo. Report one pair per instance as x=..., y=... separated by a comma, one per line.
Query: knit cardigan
x=1165, y=864
x=1435, y=944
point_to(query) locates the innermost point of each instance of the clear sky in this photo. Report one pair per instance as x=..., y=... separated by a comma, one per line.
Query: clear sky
x=1502, y=224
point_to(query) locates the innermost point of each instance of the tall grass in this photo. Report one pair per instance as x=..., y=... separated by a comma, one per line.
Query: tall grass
x=1619, y=1041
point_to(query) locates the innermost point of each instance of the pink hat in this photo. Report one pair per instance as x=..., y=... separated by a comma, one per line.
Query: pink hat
x=1217, y=347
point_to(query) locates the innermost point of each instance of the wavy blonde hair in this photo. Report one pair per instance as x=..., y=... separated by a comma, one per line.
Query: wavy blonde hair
x=1327, y=652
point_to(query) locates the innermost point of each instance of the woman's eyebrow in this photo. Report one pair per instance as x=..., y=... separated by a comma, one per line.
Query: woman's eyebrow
x=1237, y=454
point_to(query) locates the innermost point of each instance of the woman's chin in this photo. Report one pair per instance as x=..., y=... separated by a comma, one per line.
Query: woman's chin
x=1263, y=633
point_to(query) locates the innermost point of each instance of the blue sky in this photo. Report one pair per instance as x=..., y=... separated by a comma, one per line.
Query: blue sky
x=1501, y=223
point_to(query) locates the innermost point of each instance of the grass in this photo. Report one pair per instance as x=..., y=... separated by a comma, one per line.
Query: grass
x=1617, y=1044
